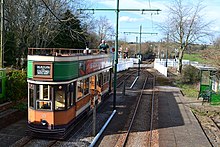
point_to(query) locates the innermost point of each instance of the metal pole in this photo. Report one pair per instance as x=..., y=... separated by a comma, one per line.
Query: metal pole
x=139, y=52
x=166, y=57
x=94, y=117
x=1, y=50
x=116, y=56
x=136, y=45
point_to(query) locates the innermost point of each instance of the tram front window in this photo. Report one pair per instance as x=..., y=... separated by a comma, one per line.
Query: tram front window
x=43, y=100
x=60, y=97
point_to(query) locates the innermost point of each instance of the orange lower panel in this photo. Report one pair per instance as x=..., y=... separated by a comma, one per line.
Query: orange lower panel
x=54, y=118
x=64, y=117
x=82, y=102
x=35, y=116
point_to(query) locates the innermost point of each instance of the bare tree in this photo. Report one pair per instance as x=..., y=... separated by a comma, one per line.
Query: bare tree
x=35, y=23
x=185, y=26
x=104, y=28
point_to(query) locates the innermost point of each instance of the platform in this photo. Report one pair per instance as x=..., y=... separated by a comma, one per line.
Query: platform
x=177, y=125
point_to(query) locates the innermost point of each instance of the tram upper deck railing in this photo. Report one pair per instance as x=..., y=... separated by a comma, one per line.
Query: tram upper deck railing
x=61, y=51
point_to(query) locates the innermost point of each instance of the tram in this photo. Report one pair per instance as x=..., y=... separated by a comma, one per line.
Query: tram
x=64, y=85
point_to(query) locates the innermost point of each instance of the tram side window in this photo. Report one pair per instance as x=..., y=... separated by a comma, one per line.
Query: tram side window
x=105, y=77
x=100, y=79
x=31, y=95
x=80, y=89
x=86, y=86
x=83, y=88
x=72, y=93
x=60, y=97
x=43, y=97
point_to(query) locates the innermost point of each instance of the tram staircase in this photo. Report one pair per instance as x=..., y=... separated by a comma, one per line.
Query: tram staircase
x=8, y=115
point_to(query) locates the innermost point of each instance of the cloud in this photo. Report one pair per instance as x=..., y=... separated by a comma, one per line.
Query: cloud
x=129, y=19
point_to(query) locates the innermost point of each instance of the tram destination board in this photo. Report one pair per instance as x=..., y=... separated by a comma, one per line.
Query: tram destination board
x=43, y=70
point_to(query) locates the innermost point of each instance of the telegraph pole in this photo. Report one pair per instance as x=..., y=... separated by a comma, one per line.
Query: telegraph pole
x=117, y=10
x=140, y=33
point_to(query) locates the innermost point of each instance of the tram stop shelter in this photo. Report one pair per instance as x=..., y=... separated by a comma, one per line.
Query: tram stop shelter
x=209, y=84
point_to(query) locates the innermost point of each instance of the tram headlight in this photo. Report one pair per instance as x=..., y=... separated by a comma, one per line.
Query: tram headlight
x=44, y=122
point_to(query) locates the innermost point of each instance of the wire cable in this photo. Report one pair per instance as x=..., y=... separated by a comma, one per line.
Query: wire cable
x=51, y=11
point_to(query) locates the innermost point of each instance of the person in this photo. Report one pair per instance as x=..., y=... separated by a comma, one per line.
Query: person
x=103, y=47
x=126, y=53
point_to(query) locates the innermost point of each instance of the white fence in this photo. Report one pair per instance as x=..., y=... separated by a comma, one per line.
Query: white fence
x=162, y=64
x=124, y=64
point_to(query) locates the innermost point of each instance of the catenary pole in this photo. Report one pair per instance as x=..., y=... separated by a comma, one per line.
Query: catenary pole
x=139, y=59
x=116, y=56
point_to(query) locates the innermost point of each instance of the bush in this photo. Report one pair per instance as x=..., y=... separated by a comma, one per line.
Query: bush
x=16, y=85
x=190, y=75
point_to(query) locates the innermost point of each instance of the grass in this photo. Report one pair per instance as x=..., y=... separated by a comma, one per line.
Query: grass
x=189, y=90
x=194, y=57
x=215, y=100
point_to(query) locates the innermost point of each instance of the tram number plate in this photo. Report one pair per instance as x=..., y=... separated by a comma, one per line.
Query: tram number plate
x=42, y=69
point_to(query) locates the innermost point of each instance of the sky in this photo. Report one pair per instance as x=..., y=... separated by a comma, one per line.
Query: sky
x=131, y=21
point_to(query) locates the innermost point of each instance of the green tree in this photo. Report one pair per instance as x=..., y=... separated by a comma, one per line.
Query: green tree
x=10, y=49
x=70, y=35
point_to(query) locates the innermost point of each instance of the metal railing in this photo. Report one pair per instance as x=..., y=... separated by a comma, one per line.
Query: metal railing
x=61, y=51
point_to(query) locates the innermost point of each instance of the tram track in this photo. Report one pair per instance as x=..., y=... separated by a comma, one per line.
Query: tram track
x=122, y=78
x=127, y=137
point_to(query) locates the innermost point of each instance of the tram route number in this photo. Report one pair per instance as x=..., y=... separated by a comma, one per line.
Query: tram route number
x=42, y=69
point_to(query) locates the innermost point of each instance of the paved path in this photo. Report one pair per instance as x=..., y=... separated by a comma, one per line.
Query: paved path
x=177, y=125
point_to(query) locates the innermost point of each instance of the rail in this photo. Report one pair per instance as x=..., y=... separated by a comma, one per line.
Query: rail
x=135, y=111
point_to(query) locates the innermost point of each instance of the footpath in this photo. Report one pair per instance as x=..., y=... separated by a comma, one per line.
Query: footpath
x=177, y=126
